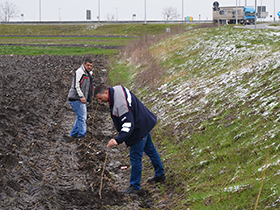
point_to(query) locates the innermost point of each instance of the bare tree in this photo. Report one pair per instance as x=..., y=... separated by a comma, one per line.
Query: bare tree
x=110, y=17
x=8, y=10
x=170, y=13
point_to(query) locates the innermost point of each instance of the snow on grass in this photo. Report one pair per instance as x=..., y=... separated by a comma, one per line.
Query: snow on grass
x=220, y=98
x=275, y=163
x=235, y=188
x=215, y=70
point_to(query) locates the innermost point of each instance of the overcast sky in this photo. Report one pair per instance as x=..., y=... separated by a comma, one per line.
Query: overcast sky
x=75, y=10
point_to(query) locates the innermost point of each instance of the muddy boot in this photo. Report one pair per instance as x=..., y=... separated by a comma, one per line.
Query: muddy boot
x=129, y=190
x=157, y=179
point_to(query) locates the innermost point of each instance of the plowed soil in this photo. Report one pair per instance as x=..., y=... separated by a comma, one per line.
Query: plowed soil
x=41, y=167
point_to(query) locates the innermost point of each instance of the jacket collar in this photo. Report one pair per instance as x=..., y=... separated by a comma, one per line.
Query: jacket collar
x=82, y=66
x=111, y=95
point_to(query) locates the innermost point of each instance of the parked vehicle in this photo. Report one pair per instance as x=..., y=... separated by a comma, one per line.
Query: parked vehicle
x=227, y=15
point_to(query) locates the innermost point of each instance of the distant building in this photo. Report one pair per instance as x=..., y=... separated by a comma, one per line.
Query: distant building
x=261, y=12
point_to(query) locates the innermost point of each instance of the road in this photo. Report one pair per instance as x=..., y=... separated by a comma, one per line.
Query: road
x=260, y=26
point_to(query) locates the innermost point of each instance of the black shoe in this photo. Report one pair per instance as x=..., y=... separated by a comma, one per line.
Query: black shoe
x=74, y=137
x=129, y=190
x=157, y=179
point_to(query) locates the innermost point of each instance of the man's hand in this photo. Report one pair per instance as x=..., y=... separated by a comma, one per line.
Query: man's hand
x=83, y=100
x=112, y=142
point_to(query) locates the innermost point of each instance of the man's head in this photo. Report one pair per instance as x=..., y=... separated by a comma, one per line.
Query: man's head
x=101, y=93
x=88, y=64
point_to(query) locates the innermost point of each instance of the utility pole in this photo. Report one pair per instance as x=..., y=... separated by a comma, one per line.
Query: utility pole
x=216, y=8
x=39, y=10
x=98, y=11
x=255, y=14
x=182, y=11
x=145, y=15
x=116, y=13
x=236, y=14
x=59, y=14
x=261, y=12
x=274, y=11
x=0, y=14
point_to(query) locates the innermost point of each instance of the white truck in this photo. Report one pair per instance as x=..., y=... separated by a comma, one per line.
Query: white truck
x=227, y=15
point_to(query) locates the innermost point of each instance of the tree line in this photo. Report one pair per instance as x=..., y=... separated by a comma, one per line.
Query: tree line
x=8, y=11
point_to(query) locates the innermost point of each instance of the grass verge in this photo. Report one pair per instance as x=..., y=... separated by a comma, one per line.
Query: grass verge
x=91, y=29
x=217, y=102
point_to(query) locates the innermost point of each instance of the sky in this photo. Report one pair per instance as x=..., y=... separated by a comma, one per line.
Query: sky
x=75, y=10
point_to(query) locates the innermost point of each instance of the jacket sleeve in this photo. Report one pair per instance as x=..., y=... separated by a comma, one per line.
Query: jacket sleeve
x=78, y=77
x=91, y=87
x=126, y=122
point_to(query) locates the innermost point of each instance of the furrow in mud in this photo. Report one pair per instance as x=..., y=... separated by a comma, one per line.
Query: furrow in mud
x=41, y=167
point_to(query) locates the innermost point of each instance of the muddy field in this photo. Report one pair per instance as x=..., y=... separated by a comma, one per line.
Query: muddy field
x=41, y=167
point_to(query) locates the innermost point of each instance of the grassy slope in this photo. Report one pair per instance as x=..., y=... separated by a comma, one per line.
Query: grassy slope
x=218, y=109
x=90, y=29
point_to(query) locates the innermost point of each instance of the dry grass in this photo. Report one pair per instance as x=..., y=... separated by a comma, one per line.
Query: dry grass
x=137, y=52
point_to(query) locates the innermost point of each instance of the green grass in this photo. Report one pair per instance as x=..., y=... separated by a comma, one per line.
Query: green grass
x=114, y=41
x=120, y=74
x=28, y=50
x=218, y=164
x=100, y=30
x=218, y=112
x=37, y=50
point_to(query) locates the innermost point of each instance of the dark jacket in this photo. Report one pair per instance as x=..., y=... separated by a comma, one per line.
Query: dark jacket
x=82, y=85
x=131, y=118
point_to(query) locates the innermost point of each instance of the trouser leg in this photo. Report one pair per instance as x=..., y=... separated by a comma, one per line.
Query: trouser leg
x=136, y=154
x=79, y=128
x=75, y=131
x=82, y=117
x=152, y=153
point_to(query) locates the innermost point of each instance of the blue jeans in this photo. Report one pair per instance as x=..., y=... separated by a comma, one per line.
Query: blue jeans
x=136, y=153
x=80, y=126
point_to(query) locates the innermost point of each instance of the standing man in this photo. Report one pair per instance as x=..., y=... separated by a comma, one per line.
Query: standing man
x=134, y=122
x=80, y=93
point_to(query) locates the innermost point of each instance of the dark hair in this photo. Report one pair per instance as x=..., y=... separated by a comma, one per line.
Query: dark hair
x=99, y=89
x=88, y=60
